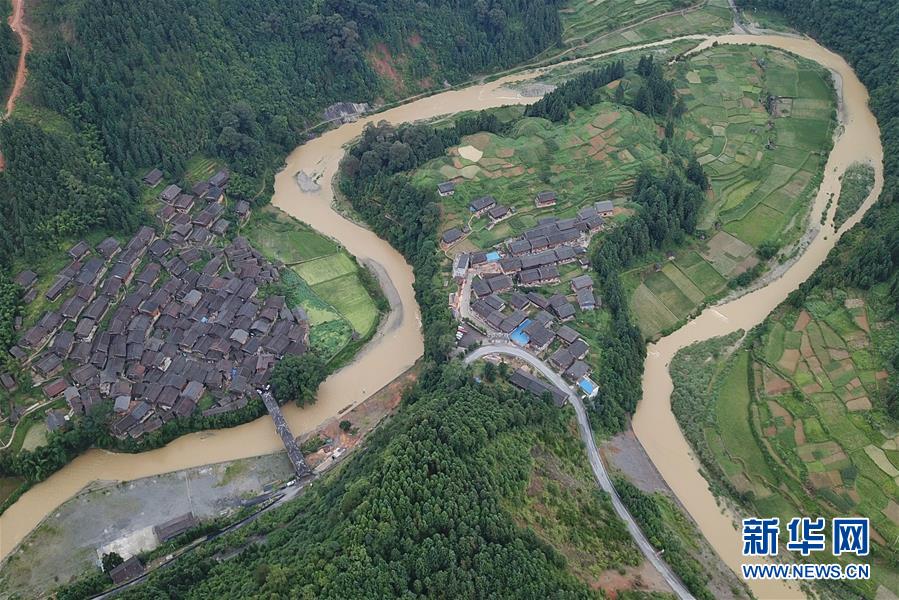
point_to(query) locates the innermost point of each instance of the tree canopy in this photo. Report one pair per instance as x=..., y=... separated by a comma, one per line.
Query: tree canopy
x=144, y=84
x=297, y=377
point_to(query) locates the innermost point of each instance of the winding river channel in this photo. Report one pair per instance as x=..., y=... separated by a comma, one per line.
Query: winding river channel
x=399, y=341
x=654, y=423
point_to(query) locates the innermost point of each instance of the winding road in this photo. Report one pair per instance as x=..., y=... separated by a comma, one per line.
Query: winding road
x=400, y=343
x=17, y=24
x=599, y=469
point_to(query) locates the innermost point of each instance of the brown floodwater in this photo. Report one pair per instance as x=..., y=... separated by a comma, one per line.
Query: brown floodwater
x=395, y=348
x=654, y=422
x=399, y=341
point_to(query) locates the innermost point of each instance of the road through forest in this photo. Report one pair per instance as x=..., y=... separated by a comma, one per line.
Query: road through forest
x=599, y=469
x=401, y=345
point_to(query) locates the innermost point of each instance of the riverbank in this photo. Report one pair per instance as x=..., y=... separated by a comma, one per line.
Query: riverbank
x=654, y=422
x=404, y=344
x=378, y=362
x=65, y=545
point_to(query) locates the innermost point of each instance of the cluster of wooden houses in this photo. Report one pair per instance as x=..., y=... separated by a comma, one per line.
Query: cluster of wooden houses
x=157, y=325
x=503, y=298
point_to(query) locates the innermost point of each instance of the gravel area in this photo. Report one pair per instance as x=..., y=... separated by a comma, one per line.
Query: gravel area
x=65, y=545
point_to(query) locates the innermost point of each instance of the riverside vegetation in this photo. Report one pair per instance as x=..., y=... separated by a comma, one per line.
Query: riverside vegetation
x=113, y=93
x=343, y=555
x=445, y=483
x=89, y=125
x=802, y=419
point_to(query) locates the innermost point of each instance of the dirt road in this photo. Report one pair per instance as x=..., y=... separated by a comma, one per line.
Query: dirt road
x=17, y=24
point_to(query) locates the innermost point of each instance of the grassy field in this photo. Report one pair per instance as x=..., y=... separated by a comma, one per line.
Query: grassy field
x=854, y=188
x=634, y=23
x=584, y=20
x=797, y=424
x=607, y=139
x=277, y=235
x=764, y=171
x=764, y=166
x=322, y=278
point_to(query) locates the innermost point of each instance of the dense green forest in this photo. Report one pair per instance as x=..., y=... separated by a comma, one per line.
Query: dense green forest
x=580, y=91
x=9, y=50
x=865, y=33
x=422, y=511
x=669, y=207
x=56, y=186
x=143, y=84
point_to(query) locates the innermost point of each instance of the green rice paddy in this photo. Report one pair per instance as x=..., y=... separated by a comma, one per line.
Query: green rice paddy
x=322, y=278
x=764, y=166
x=285, y=239
x=799, y=422
x=582, y=20
x=764, y=170
x=595, y=26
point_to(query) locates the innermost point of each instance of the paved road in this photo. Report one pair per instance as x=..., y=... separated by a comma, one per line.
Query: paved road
x=599, y=470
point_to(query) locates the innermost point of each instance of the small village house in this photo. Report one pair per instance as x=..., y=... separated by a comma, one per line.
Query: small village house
x=481, y=205
x=447, y=188
x=545, y=199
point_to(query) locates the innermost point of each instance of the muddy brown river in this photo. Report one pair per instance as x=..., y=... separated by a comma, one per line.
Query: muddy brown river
x=399, y=341
x=654, y=422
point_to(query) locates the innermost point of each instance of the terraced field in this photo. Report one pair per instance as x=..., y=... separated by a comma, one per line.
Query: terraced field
x=584, y=19
x=764, y=169
x=589, y=24
x=798, y=427
x=764, y=156
x=595, y=155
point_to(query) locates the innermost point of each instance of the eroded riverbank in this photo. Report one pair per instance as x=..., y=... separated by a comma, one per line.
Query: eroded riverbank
x=400, y=343
x=654, y=423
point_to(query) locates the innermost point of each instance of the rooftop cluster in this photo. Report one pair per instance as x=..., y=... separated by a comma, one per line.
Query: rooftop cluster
x=158, y=325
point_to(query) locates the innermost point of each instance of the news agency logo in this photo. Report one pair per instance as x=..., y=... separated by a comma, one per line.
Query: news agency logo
x=849, y=536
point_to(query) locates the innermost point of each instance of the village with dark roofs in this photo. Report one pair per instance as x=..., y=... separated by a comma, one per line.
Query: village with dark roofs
x=163, y=326
x=499, y=298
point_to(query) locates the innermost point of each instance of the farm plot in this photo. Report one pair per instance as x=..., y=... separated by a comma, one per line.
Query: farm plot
x=732, y=415
x=595, y=155
x=798, y=427
x=760, y=122
x=285, y=239
x=823, y=424
x=584, y=19
x=327, y=267
x=710, y=17
x=322, y=279
x=349, y=297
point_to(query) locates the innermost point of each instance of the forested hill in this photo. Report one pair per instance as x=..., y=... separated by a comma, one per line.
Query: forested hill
x=143, y=83
x=426, y=510
x=865, y=32
x=9, y=50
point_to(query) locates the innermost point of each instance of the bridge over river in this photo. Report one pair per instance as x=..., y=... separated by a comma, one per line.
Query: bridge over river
x=290, y=443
